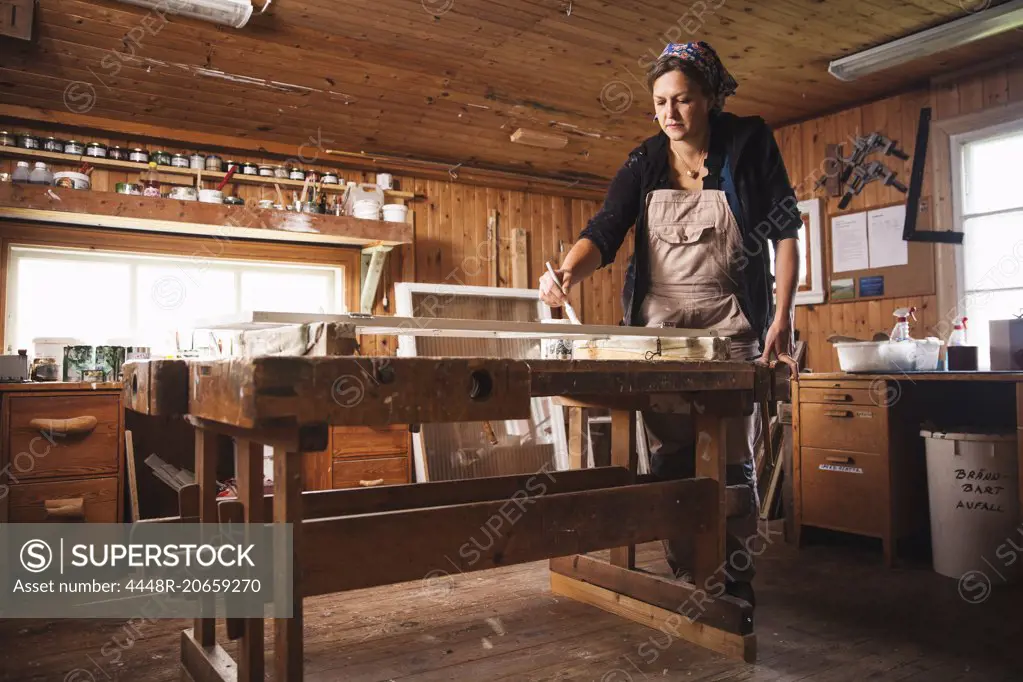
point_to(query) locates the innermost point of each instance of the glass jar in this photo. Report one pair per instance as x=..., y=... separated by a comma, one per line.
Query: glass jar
x=7, y=140
x=97, y=150
x=28, y=141
x=74, y=147
x=296, y=174
x=197, y=161
x=179, y=161
x=281, y=172
x=117, y=154
x=138, y=155
x=249, y=168
x=330, y=178
x=266, y=171
x=162, y=158
x=214, y=163
x=52, y=144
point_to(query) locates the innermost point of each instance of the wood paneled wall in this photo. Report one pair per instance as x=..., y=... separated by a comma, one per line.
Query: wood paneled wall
x=803, y=148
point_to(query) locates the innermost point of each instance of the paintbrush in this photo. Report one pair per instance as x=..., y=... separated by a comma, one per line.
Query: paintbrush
x=569, y=310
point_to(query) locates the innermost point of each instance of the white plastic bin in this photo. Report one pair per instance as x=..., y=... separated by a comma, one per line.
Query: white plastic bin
x=974, y=501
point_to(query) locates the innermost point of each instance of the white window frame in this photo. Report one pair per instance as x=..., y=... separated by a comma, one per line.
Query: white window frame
x=44, y=251
x=957, y=143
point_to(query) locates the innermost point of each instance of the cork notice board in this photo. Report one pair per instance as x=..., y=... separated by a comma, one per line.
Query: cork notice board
x=915, y=278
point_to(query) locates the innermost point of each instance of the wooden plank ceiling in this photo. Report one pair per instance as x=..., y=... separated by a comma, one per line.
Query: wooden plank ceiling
x=450, y=80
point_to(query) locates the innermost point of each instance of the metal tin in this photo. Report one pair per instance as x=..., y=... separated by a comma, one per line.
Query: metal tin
x=266, y=171
x=330, y=178
x=131, y=188
x=7, y=140
x=96, y=150
x=94, y=375
x=281, y=172
x=179, y=161
x=28, y=141
x=183, y=193
x=74, y=147
x=197, y=162
x=162, y=158
x=214, y=163
x=138, y=155
x=296, y=174
x=234, y=201
x=117, y=154
x=52, y=144
x=249, y=168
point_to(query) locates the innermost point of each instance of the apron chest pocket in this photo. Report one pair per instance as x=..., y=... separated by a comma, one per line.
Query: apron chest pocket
x=683, y=233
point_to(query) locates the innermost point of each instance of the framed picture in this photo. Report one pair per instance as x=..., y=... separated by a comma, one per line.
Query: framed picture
x=811, y=248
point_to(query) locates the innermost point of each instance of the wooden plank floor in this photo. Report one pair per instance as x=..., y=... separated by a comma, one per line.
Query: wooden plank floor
x=826, y=613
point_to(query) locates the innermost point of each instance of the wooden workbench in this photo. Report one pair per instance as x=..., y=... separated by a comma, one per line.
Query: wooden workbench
x=350, y=539
x=870, y=424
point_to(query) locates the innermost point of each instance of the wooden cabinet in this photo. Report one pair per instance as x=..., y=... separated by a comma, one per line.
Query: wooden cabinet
x=858, y=460
x=61, y=453
x=359, y=456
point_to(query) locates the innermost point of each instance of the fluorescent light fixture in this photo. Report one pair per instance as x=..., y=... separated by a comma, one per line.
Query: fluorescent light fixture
x=234, y=13
x=977, y=26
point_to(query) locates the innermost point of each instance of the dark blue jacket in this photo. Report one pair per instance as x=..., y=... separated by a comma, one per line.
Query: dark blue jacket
x=744, y=162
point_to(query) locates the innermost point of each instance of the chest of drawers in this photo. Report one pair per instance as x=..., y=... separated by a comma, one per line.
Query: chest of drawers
x=61, y=453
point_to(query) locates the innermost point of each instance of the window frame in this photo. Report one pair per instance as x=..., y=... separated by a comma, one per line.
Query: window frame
x=957, y=145
x=214, y=248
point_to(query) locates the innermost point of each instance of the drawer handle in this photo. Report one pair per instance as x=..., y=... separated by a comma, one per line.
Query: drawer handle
x=74, y=426
x=72, y=509
x=838, y=397
x=842, y=414
x=369, y=484
x=839, y=460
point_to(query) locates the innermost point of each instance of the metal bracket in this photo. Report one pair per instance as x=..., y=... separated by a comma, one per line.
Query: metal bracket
x=373, y=260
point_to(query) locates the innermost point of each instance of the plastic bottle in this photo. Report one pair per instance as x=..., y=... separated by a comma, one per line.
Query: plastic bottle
x=151, y=181
x=900, y=332
x=40, y=175
x=21, y=172
x=958, y=335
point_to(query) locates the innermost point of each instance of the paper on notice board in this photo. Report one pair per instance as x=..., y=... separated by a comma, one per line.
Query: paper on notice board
x=884, y=231
x=849, y=249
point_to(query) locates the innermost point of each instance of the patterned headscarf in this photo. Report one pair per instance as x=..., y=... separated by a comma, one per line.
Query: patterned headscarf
x=705, y=59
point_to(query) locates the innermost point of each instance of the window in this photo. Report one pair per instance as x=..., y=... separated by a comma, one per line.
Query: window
x=148, y=300
x=989, y=211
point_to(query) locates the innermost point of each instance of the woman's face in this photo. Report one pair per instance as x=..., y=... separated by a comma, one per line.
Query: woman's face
x=683, y=110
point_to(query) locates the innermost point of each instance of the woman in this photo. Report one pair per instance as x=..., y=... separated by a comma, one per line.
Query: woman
x=705, y=195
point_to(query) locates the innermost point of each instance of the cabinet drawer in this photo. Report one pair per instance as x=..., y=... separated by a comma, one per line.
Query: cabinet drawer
x=843, y=427
x=99, y=497
x=359, y=441
x=845, y=491
x=840, y=396
x=355, y=473
x=34, y=454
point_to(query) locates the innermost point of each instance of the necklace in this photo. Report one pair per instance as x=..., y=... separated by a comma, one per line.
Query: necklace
x=694, y=174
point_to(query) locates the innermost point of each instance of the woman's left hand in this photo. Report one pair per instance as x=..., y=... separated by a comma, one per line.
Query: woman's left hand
x=779, y=344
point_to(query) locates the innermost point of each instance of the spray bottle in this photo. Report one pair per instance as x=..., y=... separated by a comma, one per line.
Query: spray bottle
x=900, y=332
x=958, y=335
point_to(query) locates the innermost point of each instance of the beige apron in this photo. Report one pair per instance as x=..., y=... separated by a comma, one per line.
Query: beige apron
x=694, y=244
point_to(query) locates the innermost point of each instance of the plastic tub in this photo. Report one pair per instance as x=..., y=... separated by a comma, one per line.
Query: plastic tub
x=888, y=356
x=974, y=503
x=395, y=213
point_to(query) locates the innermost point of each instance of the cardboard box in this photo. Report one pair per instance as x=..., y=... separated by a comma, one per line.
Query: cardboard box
x=1007, y=344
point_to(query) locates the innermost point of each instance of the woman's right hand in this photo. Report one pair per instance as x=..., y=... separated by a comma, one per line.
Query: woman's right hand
x=549, y=291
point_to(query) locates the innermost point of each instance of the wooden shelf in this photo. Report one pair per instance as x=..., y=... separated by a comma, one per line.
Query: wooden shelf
x=121, y=211
x=174, y=175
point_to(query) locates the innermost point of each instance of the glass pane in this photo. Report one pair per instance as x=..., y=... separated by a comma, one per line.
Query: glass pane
x=288, y=290
x=71, y=298
x=170, y=296
x=993, y=252
x=991, y=175
x=981, y=308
